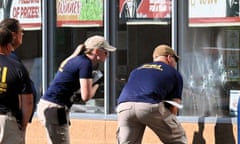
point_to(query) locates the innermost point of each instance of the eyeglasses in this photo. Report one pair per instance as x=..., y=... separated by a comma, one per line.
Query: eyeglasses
x=104, y=51
x=21, y=30
x=175, y=58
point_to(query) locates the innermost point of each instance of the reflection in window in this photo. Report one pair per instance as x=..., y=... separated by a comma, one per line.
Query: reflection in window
x=210, y=68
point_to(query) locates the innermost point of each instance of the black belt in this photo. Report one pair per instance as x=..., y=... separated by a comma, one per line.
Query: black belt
x=4, y=113
x=4, y=110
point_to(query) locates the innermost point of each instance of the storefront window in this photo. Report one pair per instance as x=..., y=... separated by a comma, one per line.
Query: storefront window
x=210, y=68
x=210, y=60
x=30, y=53
x=142, y=26
x=76, y=21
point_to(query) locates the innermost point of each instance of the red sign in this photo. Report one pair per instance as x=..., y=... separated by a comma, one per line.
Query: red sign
x=145, y=8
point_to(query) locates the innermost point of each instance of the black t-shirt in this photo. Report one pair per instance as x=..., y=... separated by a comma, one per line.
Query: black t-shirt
x=14, y=80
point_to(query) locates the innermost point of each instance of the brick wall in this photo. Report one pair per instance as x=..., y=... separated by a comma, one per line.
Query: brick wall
x=103, y=132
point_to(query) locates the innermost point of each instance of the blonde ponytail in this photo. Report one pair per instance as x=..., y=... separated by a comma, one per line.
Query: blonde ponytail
x=80, y=48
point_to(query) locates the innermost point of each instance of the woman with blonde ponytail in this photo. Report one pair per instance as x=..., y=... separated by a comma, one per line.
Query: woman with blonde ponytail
x=74, y=74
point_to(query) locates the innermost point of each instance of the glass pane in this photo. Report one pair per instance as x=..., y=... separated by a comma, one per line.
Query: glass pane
x=210, y=68
x=140, y=30
x=76, y=21
x=67, y=39
x=30, y=53
x=210, y=59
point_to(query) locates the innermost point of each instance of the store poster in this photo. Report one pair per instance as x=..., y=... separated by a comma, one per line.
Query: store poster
x=214, y=13
x=79, y=13
x=70, y=13
x=28, y=12
x=232, y=55
x=233, y=102
x=207, y=9
x=138, y=9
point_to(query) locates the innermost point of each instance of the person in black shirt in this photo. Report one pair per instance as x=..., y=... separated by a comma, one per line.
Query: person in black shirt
x=16, y=99
x=14, y=26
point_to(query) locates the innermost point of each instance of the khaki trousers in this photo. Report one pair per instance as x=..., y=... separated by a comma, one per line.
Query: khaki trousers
x=48, y=116
x=9, y=130
x=133, y=117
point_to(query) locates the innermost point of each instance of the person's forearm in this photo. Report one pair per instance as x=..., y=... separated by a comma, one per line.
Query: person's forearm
x=26, y=107
x=88, y=90
x=94, y=90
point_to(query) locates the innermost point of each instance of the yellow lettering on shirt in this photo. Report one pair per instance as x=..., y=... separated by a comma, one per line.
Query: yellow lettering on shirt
x=151, y=66
x=3, y=78
x=4, y=74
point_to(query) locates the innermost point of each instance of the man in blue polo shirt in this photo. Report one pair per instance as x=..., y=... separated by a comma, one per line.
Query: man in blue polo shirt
x=142, y=101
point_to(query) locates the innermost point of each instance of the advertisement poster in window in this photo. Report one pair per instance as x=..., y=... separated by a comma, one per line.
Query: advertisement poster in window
x=70, y=13
x=144, y=9
x=213, y=13
x=232, y=55
x=232, y=59
x=79, y=13
x=233, y=102
x=28, y=12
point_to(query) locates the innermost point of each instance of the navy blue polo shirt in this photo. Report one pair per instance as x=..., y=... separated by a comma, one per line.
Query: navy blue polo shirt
x=34, y=91
x=14, y=80
x=66, y=81
x=151, y=83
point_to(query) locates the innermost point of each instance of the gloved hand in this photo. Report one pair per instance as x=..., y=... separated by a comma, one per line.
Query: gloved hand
x=97, y=77
x=77, y=98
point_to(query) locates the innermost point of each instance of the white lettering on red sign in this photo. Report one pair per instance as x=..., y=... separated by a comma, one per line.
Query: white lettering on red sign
x=159, y=5
x=68, y=8
x=26, y=12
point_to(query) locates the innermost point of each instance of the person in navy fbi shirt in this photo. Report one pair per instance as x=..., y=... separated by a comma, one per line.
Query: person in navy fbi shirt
x=74, y=73
x=15, y=94
x=17, y=31
x=141, y=102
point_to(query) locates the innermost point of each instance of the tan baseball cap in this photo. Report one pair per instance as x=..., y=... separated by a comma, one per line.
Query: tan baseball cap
x=97, y=41
x=164, y=50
